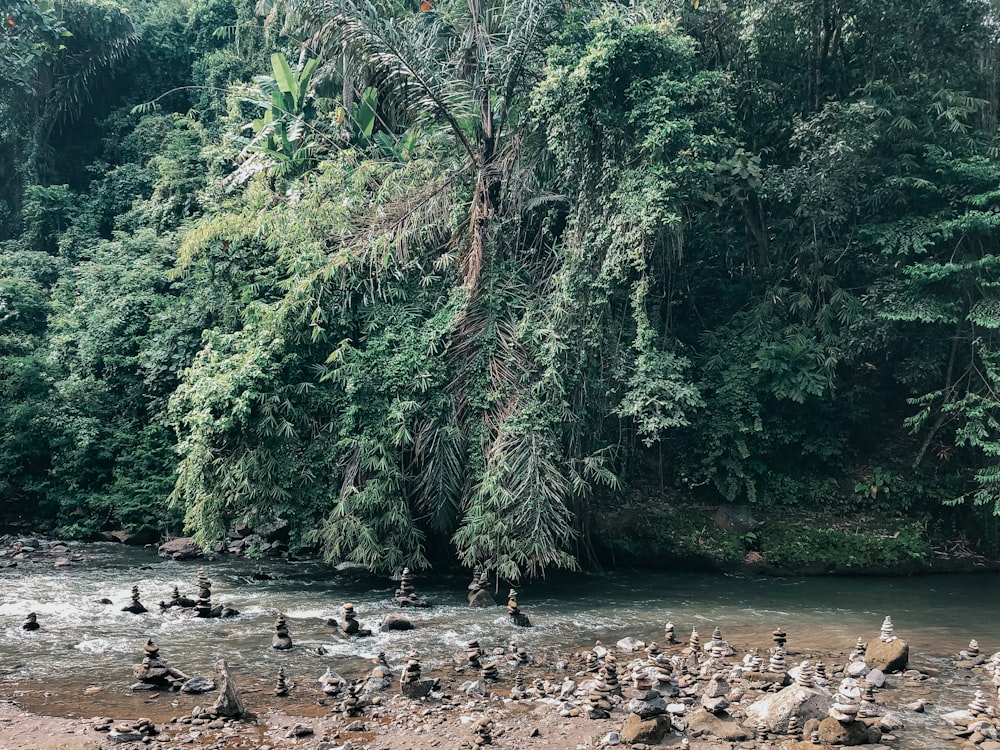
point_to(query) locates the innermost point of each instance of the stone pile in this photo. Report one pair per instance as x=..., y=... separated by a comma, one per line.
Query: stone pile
x=599, y=699
x=668, y=634
x=889, y=653
x=517, y=689
x=152, y=672
x=779, y=637
x=30, y=622
x=203, y=604
x=714, y=698
x=281, y=640
x=482, y=732
x=885, y=634
x=138, y=731
x=177, y=600
x=134, y=606
x=410, y=682
x=406, y=594
x=489, y=672
x=332, y=683
x=517, y=617
x=350, y=625
x=479, y=596
x=350, y=707
x=647, y=721
x=281, y=688
x=971, y=651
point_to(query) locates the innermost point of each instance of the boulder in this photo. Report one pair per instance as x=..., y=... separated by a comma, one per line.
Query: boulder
x=887, y=657
x=736, y=519
x=278, y=530
x=134, y=538
x=775, y=709
x=833, y=732
x=229, y=703
x=720, y=725
x=182, y=548
x=648, y=731
x=395, y=622
x=198, y=685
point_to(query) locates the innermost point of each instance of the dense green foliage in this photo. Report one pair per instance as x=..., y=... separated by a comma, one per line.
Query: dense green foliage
x=443, y=284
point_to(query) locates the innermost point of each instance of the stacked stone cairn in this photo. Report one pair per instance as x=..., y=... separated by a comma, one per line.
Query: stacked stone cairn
x=776, y=665
x=406, y=594
x=668, y=634
x=780, y=637
x=152, y=671
x=714, y=698
x=349, y=707
x=517, y=689
x=410, y=682
x=867, y=707
x=177, y=600
x=718, y=647
x=488, y=672
x=980, y=705
x=858, y=654
x=30, y=622
x=281, y=640
x=806, y=677
x=599, y=698
x=473, y=654
x=647, y=719
x=971, y=651
x=821, y=677
x=203, y=604
x=332, y=683
x=592, y=662
x=885, y=634
x=793, y=726
x=694, y=642
x=970, y=656
x=845, y=706
x=888, y=653
x=610, y=674
x=482, y=732
x=350, y=625
x=521, y=656
x=134, y=606
x=281, y=686
x=380, y=676
x=479, y=596
x=517, y=617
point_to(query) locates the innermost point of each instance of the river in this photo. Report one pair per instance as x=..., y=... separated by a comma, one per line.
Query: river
x=93, y=643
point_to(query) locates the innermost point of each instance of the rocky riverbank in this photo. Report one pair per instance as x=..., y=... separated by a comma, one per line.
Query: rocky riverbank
x=714, y=695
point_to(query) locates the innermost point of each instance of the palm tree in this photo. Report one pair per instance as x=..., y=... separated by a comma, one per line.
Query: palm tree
x=489, y=469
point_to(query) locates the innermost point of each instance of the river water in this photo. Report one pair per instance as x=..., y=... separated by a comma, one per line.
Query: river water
x=97, y=643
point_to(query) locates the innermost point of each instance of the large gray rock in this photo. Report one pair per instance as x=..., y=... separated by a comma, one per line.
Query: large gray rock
x=229, y=703
x=833, y=732
x=648, y=731
x=720, y=725
x=887, y=657
x=775, y=709
x=182, y=548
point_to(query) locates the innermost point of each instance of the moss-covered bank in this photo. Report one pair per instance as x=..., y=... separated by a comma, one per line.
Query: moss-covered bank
x=735, y=538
